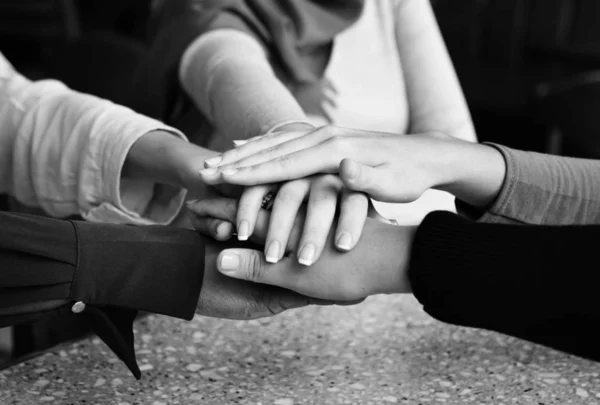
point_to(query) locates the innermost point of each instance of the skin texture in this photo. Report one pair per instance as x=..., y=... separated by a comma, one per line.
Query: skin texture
x=378, y=264
x=385, y=166
x=159, y=156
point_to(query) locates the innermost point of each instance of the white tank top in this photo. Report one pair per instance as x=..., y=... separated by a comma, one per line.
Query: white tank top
x=364, y=88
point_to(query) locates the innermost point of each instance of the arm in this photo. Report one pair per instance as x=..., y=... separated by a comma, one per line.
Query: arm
x=228, y=75
x=64, y=151
x=46, y=265
x=542, y=189
x=435, y=97
x=535, y=282
x=494, y=183
x=107, y=273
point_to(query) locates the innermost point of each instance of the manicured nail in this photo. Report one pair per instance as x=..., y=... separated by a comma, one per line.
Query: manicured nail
x=213, y=161
x=230, y=262
x=229, y=170
x=344, y=242
x=209, y=172
x=243, y=230
x=307, y=254
x=273, y=252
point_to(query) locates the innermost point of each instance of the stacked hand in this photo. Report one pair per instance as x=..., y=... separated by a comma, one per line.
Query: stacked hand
x=322, y=166
x=387, y=167
x=376, y=265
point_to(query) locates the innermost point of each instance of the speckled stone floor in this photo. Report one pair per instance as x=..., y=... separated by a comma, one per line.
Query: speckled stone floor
x=384, y=351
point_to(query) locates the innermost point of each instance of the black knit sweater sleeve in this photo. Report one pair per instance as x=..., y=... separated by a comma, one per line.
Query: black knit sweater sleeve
x=534, y=282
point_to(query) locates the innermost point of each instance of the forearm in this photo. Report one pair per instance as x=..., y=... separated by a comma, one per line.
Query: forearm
x=64, y=151
x=105, y=273
x=160, y=157
x=505, y=185
x=474, y=173
x=533, y=282
x=435, y=96
x=229, y=77
x=543, y=189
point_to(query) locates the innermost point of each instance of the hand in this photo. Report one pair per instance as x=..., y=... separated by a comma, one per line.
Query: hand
x=387, y=167
x=225, y=297
x=378, y=264
x=162, y=157
x=322, y=194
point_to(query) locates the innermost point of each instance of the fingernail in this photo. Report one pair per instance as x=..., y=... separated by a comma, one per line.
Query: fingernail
x=307, y=254
x=344, y=242
x=229, y=170
x=213, y=161
x=230, y=262
x=208, y=172
x=243, y=230
x=272, y=252
x=191, y=202
x=239, y=142
x=224, y=229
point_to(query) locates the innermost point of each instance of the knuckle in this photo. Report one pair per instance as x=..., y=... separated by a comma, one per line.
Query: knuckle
x=274, y=304
x=328, y=183
x=285, y=161
x=246, y=206
x=256, y=269
x=357, y=198
x=324, y=196
x=315, y=233
x=231, y=155
x=289, y=194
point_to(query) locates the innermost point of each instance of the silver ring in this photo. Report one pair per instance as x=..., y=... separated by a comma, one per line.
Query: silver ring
x=267, y=201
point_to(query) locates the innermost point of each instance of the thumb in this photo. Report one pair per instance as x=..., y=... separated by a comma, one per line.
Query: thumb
x=248, y=264
x=369, y=180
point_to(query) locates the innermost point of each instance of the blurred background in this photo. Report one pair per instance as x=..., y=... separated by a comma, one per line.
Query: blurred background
x=530, y=70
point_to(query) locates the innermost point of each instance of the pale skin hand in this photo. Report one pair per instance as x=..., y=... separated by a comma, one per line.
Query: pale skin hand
x=386, y=166
x=161, y=157
x=377, y=265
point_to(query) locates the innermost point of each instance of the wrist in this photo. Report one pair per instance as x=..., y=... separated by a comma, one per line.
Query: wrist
x=162, y=157
x=391, y=266
x=472, y=172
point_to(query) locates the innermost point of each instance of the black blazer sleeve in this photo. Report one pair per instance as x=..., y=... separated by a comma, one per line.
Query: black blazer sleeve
x=538, y=283
x=106, y=272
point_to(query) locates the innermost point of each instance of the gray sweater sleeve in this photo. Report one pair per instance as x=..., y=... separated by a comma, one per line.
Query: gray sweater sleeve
x=542, y=189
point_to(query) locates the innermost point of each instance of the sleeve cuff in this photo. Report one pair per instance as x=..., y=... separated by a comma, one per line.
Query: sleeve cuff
x=138, y=202
x=153, y=269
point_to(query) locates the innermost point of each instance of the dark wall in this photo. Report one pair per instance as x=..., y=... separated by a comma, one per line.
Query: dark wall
x=503, y=49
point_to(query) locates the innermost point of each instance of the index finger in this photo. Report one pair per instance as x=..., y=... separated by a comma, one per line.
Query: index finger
x=253, y=146
x=324, y=157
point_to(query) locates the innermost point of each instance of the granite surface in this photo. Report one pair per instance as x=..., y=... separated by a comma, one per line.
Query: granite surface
x=383, y=351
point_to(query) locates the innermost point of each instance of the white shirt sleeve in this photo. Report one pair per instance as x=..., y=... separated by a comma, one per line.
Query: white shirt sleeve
x=228, y=75
x=63, y=151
